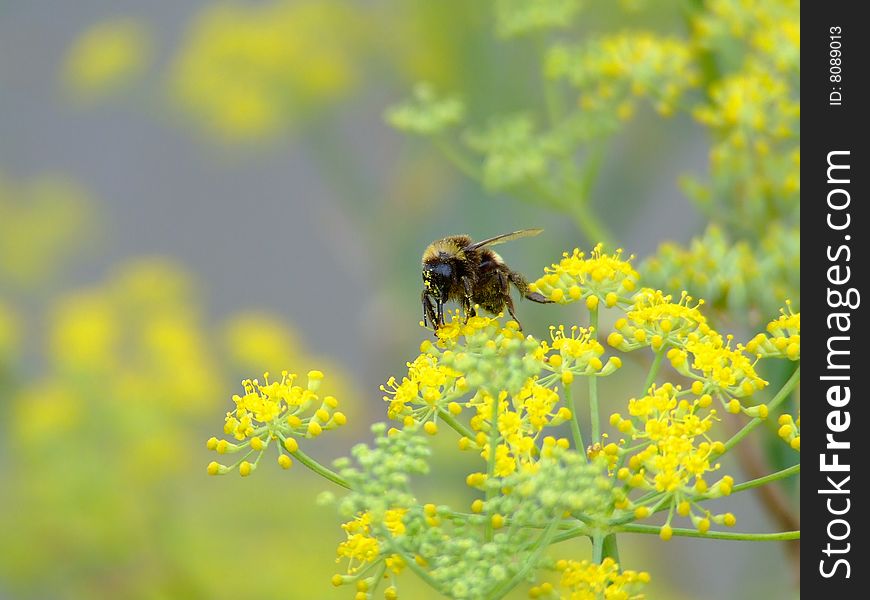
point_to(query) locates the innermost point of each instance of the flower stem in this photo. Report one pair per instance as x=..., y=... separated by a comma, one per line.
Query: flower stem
x=542, y=544
x=575, y=424
x=714, y=535
x=653, y=370
x=593, y=383
x=597, y=548
x=490, y=460
x=609, y=547
x=793, y=470
x=454, y=424
x=412, y=564
x=319, y=469
x=783, y=393
x=458, y=158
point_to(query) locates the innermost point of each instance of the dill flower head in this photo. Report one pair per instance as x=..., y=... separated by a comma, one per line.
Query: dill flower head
x=725, y=371
x=607, y=277
x=676, y=454
x=588, y=580
x=790, y=430
x=613, y=70
x=783, y=339
x=577, y=353
x=279, y=411
x=655, y=320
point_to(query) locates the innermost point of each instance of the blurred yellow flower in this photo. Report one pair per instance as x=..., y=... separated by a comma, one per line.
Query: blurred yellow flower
x=248, y=72
x=10, y=332
x=43, y=222
x=107, y=56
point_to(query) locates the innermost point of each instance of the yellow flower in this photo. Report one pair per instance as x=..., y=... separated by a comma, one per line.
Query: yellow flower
x=279, y=410
x=107, y=56
x=790, y=431
x=676, y=456
x=784, y=339
x=428, y=384
x=728, y=370
x=613, y=70
x=586, y=580
x=577, y=276
x=360, y=547
x=654, y=319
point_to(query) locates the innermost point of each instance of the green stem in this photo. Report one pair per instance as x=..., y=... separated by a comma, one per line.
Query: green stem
x=542, y=544
x=780, y=397
x=793, y=470
x=590, y=225
x=319, y=469
x=593, y=384
x=490, y=460
x=597, y=548
x=610, y=548
x=413, y=566
x=714, y=535
x=575, y=424
x=455, y=425
x=459, y=160
x=654, y=370
x=570, y=534
x=552, y=99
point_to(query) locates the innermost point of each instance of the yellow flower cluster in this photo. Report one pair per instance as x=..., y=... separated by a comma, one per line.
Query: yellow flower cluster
x=585, y=580
x=613, y=69
x=693, y=348
x=362, y=547
x=655, y=320
x=427, y=385
x=784, y=340
x=577, y=354
x=770, y=30
x=754, y=110
x=520, y=421
x=599, y=278
x=725, y=370
x=494, y=370
x=675, y=454
x=790, y=430
x=280, y=411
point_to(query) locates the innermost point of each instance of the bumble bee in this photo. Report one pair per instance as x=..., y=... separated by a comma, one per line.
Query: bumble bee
x=471, y=274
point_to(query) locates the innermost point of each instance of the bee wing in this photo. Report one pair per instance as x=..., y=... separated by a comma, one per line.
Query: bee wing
x=505, y=237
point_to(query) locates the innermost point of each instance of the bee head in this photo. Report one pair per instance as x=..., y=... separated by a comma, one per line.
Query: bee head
x=436, y=279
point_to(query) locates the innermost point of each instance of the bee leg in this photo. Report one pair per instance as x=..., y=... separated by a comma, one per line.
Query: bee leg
x=428, y=310
x=440, y=307
x=504, y=281
x=467, y=307
x=510, y=306
x=523, y=286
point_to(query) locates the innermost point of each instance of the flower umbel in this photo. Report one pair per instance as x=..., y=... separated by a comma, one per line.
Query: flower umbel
x=281, y=411
x=606, y=277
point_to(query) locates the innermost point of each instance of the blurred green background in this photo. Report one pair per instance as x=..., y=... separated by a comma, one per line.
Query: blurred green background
x=194, y=192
